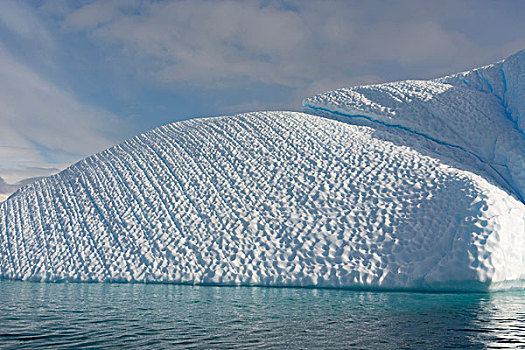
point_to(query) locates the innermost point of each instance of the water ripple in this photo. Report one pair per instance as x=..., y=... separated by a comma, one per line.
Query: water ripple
x=65, y=316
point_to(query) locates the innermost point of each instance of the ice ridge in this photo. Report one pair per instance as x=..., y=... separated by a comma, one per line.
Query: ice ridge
x=504, y=79
x=480, y=112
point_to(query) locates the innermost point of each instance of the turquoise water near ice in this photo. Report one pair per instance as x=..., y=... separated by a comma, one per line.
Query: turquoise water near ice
x=156, y=316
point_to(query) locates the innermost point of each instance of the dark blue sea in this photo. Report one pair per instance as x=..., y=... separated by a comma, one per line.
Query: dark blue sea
x=156, y=316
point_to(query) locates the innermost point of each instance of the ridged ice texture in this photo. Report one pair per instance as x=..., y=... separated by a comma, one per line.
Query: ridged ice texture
x=481, y=112
x=274, y=199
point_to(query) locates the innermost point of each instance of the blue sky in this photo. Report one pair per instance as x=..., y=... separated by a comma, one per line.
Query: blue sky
x=79, y=76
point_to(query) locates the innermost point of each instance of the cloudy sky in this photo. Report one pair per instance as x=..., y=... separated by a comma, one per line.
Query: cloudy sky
x=79, y=76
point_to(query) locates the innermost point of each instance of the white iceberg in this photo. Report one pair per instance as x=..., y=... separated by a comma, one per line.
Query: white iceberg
x=293, y=199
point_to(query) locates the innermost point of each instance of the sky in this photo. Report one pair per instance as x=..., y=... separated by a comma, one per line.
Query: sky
x=77, y=77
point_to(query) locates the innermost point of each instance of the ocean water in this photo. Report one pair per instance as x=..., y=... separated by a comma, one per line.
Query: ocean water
x=156, y=316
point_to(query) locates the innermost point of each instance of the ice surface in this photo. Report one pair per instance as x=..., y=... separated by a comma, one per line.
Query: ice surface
x=281, y=199
x=481, y=112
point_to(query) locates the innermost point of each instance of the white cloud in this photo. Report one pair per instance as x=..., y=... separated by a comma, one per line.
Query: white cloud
x=43, y=125
x=224, y=43
x=33, y=110
x=23, y=21
x=97, y=13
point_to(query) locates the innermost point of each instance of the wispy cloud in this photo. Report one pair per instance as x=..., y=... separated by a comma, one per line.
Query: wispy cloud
x=22, y=20
x=293, y=44
x=43, y=126
x=42, y=123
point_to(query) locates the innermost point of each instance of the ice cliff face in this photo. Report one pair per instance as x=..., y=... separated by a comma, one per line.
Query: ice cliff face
x=481, y=112
x=425, y=197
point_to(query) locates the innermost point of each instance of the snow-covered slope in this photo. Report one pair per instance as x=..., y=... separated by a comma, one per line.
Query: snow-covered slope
x=274, y=198
x=481, y=112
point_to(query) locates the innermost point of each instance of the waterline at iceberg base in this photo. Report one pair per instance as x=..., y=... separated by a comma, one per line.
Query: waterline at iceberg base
x=414, y=185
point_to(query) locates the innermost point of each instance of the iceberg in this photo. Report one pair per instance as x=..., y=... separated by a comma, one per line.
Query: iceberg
x=414, y=185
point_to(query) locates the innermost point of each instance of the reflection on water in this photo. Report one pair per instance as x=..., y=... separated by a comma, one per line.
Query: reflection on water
x=34, y=315
x=503, y=316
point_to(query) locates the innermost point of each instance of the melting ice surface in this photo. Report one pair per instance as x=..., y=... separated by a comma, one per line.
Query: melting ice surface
x=426, y=193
